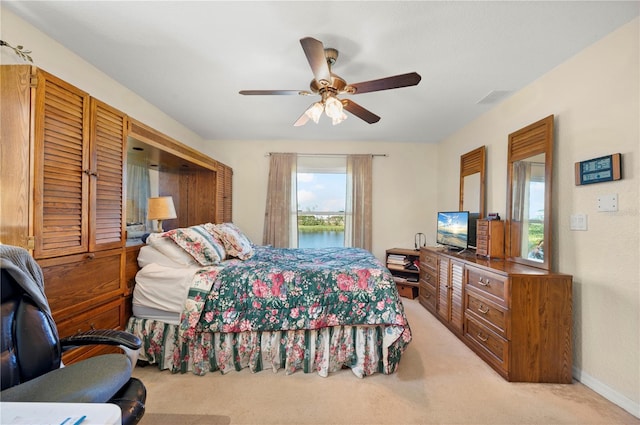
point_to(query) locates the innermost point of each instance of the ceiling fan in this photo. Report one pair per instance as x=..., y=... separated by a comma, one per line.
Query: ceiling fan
x=329, y=85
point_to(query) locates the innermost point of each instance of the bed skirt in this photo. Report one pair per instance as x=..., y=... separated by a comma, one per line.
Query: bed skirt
x=366, y=350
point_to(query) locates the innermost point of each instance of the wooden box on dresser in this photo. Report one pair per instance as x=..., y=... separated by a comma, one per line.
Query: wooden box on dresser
x=517, y=318
x=490, y=238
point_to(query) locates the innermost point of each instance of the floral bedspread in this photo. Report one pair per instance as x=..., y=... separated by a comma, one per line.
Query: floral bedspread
x=293, y=289
x=282, y=290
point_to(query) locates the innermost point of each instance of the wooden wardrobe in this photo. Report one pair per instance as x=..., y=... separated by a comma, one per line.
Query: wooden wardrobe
x=63, y=160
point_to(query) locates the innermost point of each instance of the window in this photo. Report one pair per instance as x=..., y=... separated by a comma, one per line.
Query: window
x=321, y=200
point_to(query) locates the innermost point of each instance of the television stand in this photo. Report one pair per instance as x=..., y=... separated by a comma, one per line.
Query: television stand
x=402, y=263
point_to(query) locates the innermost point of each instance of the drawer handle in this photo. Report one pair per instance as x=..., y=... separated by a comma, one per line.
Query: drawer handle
x=483, y=311
x=483, y=283
x=481, y=338
x=427, y=296
x=91, y=256
x=92, y=326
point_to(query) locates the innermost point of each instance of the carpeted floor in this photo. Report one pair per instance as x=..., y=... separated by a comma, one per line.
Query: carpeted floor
x=178, y=419
x=439, y=381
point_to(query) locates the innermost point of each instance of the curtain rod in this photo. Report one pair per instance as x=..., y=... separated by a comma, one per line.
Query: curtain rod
x=330, y=154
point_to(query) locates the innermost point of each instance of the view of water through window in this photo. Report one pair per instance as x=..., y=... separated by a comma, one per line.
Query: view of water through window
x=322, y=239
x=321, y=205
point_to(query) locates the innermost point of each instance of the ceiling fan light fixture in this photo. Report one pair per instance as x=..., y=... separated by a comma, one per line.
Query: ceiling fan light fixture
x=339, y=119
x=315, y=111
x=332, y=107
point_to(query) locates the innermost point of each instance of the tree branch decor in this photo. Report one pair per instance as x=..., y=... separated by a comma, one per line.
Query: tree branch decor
x=19, y=50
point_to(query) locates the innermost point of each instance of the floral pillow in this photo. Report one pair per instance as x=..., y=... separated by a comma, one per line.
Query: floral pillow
x=236, y=243
x=170, y=249
x=205, y=247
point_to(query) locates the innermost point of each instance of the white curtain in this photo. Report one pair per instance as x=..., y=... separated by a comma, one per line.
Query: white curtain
x=521, y=177
x=281, y=215
x=138, y=191
x=358, y=222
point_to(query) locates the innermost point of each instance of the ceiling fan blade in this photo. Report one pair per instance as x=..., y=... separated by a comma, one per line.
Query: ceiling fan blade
x=302, y=120
x=395, y=82
x=314, y=50
x=268, y=92
x=359, y=111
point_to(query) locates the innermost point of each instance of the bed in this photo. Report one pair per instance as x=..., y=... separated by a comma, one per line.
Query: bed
x=206, y=299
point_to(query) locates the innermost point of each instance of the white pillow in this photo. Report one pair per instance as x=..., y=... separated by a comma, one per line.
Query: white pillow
x=150, y=255
x=169, y=248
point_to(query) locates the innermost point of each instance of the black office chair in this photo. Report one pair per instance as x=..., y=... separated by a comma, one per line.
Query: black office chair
x=32, y=351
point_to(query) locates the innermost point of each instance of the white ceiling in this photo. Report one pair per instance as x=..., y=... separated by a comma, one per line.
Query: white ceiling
x=190, y=59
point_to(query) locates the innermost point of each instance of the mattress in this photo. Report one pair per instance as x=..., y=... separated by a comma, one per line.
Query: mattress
x=161, y=291
x=150, y=313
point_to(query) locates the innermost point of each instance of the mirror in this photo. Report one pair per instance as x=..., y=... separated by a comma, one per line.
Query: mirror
x=528, y=222
x=472, y=182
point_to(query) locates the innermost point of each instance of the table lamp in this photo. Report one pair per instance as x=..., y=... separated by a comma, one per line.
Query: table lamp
x=160, y=208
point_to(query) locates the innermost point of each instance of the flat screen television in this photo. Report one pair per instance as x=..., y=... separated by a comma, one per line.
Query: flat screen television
x=453, y=229
x=472, y=236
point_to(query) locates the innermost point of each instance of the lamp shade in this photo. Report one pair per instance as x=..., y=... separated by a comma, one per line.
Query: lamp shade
x=160, y=208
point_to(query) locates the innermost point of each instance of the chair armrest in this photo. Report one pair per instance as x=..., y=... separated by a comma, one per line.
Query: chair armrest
x=102, y=337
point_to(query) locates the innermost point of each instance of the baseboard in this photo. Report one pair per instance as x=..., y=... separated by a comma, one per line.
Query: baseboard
x=607, y=392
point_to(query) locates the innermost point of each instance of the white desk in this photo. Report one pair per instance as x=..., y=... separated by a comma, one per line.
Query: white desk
x=57, y=413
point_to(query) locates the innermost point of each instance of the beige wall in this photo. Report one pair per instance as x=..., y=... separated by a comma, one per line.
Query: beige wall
x=61, y=62
x=403, y=189
x=595, y=99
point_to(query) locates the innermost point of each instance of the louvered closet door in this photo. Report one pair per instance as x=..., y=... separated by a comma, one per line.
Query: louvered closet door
x=224, y=189
x=108, y=142
x=443, y=288
x=61, y=157
x=456, y=283
x=227, y=210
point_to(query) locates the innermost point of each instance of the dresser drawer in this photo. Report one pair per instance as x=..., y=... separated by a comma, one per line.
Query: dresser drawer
x=428, y=260
x=482, y=228
x=489, y=345
x=482, y=239
x=493, y=286
x=78, y=282
x=427, y=297
x=106, y=316
x=490, y=314
x=428, y=278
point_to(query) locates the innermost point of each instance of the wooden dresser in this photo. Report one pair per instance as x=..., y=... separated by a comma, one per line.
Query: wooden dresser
x=517, y=318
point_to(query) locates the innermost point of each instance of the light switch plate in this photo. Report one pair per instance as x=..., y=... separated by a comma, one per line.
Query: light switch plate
x=578, y=222
x=608, y=202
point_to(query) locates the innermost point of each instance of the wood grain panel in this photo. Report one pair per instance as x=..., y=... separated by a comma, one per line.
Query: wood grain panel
x=224, y=193
x=108, y=142
x=457, y=305
x=75, y=283
x=106, y=316
x=61, y=191
x=444, y=309
x=16, y=155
